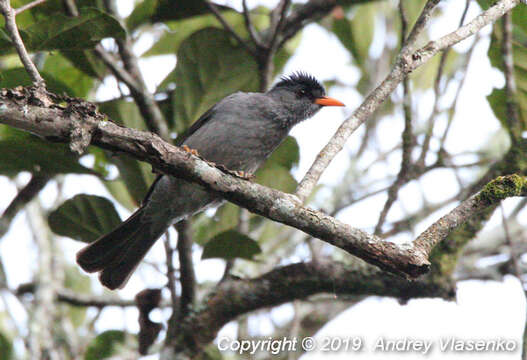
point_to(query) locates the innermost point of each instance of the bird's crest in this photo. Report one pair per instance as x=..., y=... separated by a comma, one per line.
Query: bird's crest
x=300, y=78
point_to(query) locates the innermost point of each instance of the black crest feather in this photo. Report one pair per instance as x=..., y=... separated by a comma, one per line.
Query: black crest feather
x=301, y=79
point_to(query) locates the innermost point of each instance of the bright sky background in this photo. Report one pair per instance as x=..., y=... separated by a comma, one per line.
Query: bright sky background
x=483, y=310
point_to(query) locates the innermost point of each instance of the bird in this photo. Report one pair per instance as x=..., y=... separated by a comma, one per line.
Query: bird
x=239, y=133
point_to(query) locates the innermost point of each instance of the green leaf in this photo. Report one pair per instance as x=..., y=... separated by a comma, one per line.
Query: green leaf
x=206, y=227
x=120, y=193
x=167, y=10
x=87, y=62
x=287, y=154
x=498, y=103
x=69, y=33
x=61, y=68
x=22, y=151
x=497, y=99
x=230, y=245
x=84, y=217
x=6, y=347
x=19, y=77
x=210, y=66
x=357, y=34
x=277, y=177
x=136, y=175
x=105, y=345
x=178, y=31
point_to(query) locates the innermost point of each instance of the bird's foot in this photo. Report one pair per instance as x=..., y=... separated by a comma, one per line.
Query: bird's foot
x=238, y=173
x=243, y=175
x=190, y=151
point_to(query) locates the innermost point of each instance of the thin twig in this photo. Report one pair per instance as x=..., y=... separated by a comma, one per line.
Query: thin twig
x=437, y=95
x=28, y=6
x=76, y=299
x=171, y=277
x=281, y=10
x=24, y=196
x=405, y=173
x=402, y=68
x=249, y=25
x=419, y=26
x=229, y=28
x=10, y=24
x=366, y=109
x=145, y=101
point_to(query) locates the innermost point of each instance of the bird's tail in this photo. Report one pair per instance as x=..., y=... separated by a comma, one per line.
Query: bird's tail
x=117, y=254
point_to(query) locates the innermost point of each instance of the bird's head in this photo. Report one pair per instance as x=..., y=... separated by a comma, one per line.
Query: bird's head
x=302, y=96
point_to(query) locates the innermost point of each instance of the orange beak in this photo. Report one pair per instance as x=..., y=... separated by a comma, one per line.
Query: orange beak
x=327, y=101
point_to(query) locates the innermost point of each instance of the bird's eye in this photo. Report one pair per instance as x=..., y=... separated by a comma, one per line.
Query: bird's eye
x=301, y=93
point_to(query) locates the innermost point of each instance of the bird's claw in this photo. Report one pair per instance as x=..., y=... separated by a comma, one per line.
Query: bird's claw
x=243, y=175
x=190, y=151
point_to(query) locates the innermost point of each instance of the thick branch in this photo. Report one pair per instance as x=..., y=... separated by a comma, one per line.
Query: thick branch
x=56, y=123
x=298, y=281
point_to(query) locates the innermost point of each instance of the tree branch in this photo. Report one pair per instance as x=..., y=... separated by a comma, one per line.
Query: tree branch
x=28, y=6
x=406, y=63
x=24, y=196
x=186, y=267
x=235, y=297
x=55, y=123
x=10, y=24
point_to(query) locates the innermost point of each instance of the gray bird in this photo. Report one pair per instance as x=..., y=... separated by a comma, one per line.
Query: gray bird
x=239, y=132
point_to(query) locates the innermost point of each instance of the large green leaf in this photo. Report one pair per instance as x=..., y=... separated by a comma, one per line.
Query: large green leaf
x=87, y=62
x=63, y=69
x=179, y=30
x=206, y=227
x=68, y=33
x=84, y=217
x=22, y=151
x=277, y=177
x=166, y=10
x=230, y=245
x=19, y=77
x=356, y=34
x=287, y=154
x=105, y=345
x=498, y=99
x=210, y=66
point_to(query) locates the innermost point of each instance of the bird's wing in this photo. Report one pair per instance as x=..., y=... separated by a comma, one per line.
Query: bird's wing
x=180, y=140
x=203, y=119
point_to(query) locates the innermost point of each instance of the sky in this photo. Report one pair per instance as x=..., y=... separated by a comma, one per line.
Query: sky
x=484, y=310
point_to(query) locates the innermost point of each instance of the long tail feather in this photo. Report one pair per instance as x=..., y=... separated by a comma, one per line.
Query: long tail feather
x=102, y=251
x=116, y=274
x=118, y=253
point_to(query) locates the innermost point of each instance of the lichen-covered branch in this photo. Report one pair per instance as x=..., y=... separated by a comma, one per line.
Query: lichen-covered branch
x=56, y=122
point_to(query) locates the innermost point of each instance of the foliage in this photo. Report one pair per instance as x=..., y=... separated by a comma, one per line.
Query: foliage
x=211, y=64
